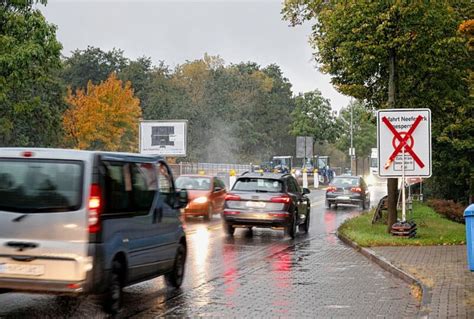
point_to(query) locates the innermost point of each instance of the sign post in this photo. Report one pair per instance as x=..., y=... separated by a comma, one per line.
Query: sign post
x=404, y=150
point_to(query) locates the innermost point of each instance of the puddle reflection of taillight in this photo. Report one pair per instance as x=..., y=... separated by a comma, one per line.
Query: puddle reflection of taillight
x=230, y=273
x=281, y=266
x=330, y=226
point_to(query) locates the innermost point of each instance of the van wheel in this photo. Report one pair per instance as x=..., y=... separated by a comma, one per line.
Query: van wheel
x=113, y=295
x=175, y=278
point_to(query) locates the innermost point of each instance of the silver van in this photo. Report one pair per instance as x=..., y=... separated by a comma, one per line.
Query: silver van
x=80, y=222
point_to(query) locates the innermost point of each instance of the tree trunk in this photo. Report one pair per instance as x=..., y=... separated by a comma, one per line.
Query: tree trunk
x=392, y=183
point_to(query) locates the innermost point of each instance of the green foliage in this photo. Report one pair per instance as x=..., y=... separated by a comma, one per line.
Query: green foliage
x=236, y=113
x=91, y=64
x=31, y=95
x=364, y=129
x=432, y=229
x=354, y=41
x=314, y=117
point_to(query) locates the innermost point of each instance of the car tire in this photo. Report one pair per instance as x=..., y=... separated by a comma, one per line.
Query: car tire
x=291, y=228
x=229, y=229
x=174, y=279
x=305, y=226
x=328, y=204
x=208, y=217
x=362, y=204
x=335, y=205
x=113, y=295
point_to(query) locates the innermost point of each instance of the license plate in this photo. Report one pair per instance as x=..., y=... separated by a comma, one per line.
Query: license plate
x=256, y=204
x=18, y=269
x=343, y=197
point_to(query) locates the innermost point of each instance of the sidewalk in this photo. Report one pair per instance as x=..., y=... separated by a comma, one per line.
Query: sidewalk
x=443, y=269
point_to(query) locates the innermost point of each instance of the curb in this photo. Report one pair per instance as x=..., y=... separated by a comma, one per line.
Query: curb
x=394, y=270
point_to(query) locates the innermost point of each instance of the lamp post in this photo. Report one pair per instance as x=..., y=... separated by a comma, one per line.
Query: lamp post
x=351, y=150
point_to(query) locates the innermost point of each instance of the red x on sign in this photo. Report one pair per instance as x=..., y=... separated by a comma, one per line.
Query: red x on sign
x=403, y=142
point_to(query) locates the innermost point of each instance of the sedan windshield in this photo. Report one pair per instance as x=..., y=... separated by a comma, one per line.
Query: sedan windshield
x=193, y=183
x=29, y=186
x=258, y=185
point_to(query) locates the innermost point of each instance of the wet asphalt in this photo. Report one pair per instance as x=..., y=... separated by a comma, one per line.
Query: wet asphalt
x=259, y=273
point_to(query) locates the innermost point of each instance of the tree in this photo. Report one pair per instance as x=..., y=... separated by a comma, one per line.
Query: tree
x=31, y=95
x=105, y=117
x=313, y=116
x=364, y=129
x=394, y=54
x=91, y=64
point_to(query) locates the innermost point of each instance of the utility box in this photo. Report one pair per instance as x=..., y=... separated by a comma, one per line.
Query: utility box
x=469, y=218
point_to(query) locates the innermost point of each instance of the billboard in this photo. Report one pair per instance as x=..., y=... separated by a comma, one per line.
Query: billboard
x=304, y=146
x=166, y=138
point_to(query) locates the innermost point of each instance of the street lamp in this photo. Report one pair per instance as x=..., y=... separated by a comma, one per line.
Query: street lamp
x=352, y=150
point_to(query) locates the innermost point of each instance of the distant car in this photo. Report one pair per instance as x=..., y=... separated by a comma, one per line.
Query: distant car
x=206, y=195
x=267, y=200
x=348, y=190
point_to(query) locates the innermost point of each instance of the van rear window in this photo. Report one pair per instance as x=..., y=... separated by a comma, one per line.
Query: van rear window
x=30, y=186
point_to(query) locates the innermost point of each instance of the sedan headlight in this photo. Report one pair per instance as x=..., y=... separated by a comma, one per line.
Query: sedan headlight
x=201, y=200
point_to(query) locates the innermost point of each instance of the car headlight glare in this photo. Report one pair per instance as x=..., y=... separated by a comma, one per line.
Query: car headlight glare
x=201, y=200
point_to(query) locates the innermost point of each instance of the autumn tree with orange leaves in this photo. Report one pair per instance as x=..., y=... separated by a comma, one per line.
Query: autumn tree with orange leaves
x=104, y=117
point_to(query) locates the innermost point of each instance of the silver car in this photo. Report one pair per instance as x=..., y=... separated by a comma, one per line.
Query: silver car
x=79, y=222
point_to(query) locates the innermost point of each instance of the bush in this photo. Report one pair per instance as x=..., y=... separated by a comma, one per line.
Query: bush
x=448, y=208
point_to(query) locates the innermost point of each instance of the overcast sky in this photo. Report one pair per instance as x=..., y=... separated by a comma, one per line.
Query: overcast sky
x=180, y=30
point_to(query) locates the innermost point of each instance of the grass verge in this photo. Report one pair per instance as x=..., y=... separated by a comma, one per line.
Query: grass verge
x=432, y=229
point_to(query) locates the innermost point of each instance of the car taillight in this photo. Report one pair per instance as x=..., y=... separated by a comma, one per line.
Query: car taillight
x=232, y=197
x=95, y=205
x=356, y=189
x=331, y=189
x=284, y=199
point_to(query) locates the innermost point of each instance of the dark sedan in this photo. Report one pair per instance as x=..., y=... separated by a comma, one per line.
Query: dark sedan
x=267, y=200
x=348, y=190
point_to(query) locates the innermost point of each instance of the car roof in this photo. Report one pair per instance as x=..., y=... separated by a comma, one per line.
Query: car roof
x=265, y=175
x=196, y=175
x=58, y=153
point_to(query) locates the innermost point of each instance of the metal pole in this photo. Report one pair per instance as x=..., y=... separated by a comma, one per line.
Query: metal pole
x=403, y=186
x=352, y=144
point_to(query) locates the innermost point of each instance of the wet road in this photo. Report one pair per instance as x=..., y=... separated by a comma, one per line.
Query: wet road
x=260, y=273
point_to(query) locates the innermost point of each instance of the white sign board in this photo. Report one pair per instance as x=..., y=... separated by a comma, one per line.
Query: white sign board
x=166, y=138
x=405, y=131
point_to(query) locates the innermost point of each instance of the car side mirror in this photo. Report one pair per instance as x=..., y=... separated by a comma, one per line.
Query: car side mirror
x=182, y=196
x=306, y=191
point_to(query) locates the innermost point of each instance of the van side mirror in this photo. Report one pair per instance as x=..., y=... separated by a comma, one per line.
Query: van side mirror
x=182, y=196
x=306, y=191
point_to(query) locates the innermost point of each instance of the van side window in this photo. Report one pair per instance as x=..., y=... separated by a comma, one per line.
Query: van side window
x=144, y=187
x=117, y=196
x=165, y=185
